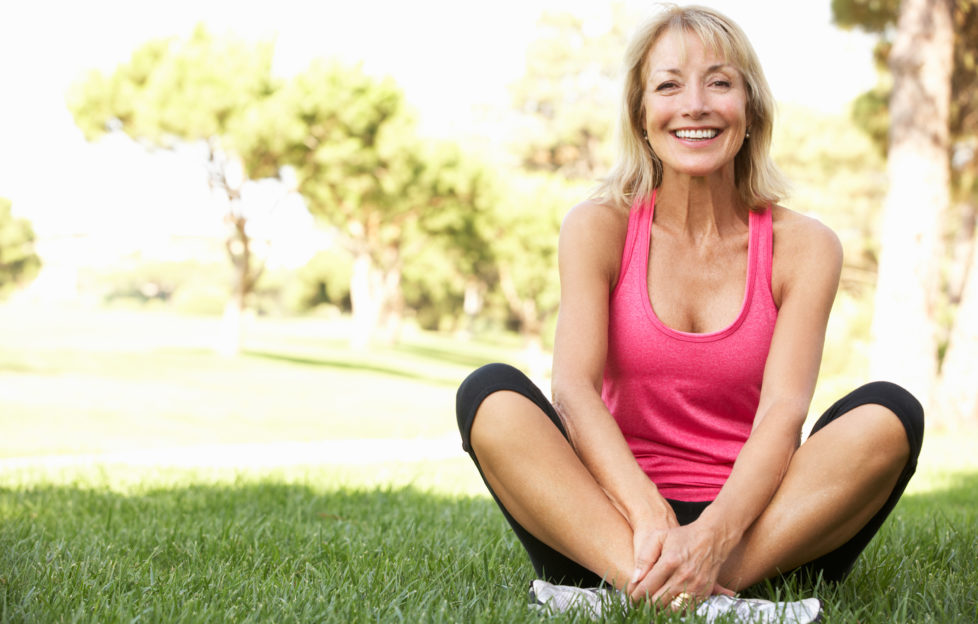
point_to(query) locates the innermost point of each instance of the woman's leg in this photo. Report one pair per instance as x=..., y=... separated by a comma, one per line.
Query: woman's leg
x=550, y=499
x=840, y=486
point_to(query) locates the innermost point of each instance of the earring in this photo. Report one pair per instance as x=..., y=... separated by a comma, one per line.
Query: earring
x=747, y=134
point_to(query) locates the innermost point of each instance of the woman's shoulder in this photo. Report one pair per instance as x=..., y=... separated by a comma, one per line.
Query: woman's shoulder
x=802, y=233
x=596, y=223
x=591, y=213
x=593, y=233
x=806, y=251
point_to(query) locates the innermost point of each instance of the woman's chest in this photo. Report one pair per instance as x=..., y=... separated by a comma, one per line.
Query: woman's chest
x=697, y=290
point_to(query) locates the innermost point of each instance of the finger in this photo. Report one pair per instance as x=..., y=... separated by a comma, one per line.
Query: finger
x=720, y=589
x=668, y=594
x=642, y=568
x=674, y=597
x=655, y=583
x=646, y=555
x=683, y=588
x=682, y=602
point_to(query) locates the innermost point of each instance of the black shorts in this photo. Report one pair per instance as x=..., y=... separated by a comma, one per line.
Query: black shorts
x=556, y=568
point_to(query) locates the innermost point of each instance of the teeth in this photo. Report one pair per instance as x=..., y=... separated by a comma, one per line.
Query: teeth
x=697, y=134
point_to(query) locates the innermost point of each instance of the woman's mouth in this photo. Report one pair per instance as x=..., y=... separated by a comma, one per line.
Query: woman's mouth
x=699, y=134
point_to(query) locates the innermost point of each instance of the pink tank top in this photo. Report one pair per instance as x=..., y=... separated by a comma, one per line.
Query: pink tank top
x=686, y=401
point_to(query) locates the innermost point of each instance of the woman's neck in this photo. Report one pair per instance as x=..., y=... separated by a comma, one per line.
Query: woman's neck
x=699, y=207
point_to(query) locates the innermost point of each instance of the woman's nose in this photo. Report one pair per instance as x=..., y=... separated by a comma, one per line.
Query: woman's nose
x=695, y=103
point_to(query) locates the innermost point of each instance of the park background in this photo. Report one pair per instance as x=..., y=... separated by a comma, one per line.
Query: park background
x=309, y=381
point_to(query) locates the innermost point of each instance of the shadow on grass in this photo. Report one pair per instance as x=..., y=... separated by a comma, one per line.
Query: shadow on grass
x=357, y=366
x=467, y=360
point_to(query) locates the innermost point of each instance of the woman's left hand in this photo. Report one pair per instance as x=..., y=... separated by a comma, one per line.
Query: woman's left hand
x=686, y=571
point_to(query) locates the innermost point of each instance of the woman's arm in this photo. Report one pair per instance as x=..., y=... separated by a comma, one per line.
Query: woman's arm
x=809, y=258
x=812, y=259
x=591, y=242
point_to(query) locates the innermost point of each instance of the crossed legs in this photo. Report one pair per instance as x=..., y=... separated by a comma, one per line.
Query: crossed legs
x=839, y=487
x=538, y=478
x=837, y=481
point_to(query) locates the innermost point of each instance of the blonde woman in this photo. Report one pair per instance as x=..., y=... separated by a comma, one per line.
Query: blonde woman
x=692, y=319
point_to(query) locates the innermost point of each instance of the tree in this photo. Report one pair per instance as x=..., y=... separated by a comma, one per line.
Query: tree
x=567, y=95
x=827, y=158
x=871, y=108
x=917, y=200
x=18, y=262
x=932, y=61
x=362, y=169
x=521, y=236
x=190, y=90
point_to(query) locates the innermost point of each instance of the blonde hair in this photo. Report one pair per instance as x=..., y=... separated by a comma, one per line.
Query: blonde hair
x=638, y=170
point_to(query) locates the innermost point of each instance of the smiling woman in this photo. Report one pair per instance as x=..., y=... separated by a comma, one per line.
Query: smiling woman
x=659, y=64
x=693, y=312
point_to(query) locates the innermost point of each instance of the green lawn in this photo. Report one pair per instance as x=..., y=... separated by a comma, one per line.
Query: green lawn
x=414, y=541
x=397, y=542
x=82, y=380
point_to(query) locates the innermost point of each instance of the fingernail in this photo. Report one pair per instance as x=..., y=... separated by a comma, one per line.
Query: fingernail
x=637, y=574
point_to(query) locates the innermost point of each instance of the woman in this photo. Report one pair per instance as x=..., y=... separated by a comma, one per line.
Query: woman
x=692, y=319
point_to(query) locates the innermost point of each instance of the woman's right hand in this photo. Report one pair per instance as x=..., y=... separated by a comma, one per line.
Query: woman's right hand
x=649, y=534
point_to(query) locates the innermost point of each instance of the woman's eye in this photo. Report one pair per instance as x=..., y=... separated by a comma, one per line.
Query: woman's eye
x=722, y=83
x=666, y=85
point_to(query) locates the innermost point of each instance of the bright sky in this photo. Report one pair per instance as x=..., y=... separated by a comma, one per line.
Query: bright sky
x=448, y=55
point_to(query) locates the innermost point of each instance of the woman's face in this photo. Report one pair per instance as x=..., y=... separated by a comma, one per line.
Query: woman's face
x=695, y=107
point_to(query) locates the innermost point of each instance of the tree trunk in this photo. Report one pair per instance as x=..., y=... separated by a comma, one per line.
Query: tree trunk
x=531, y=325
x=392, y=311
x=375, y=294
x=238, y=246
x=229, y=344
x=245, y=277
x=472, y=303
x=957, y=390
x=904, y=337
x=365, y=299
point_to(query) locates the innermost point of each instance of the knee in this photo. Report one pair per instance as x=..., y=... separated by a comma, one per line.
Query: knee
x=896, y=398
x=904, y=406
x=481, y=383
x=477, y=387
x=488, y=376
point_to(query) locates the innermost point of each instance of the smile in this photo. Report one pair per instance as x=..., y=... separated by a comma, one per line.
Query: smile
x=697, y=135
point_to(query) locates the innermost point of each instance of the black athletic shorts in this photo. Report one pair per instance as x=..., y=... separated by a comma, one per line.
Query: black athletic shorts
x=556, y=568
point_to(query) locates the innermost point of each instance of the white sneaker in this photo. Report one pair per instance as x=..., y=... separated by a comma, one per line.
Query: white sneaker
x=593, y=601
x=758, y=611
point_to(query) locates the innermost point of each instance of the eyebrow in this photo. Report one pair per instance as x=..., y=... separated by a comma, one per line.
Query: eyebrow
x=710, y=69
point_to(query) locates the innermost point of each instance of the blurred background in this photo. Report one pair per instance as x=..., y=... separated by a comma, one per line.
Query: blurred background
x=239, y=223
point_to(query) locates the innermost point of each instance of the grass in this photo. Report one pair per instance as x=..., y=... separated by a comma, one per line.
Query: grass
x=96, y=381
x=415, y=541
x=241, y=548
x=331, y=544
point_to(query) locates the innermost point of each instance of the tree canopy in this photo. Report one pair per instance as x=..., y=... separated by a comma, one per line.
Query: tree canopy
x=362, y=168
x=190, y=90
x=346, y=141
x=567, y=95
x=19, y=264
x=175, y=89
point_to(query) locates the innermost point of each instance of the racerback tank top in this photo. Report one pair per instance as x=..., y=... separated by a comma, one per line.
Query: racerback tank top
x=686, y=401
